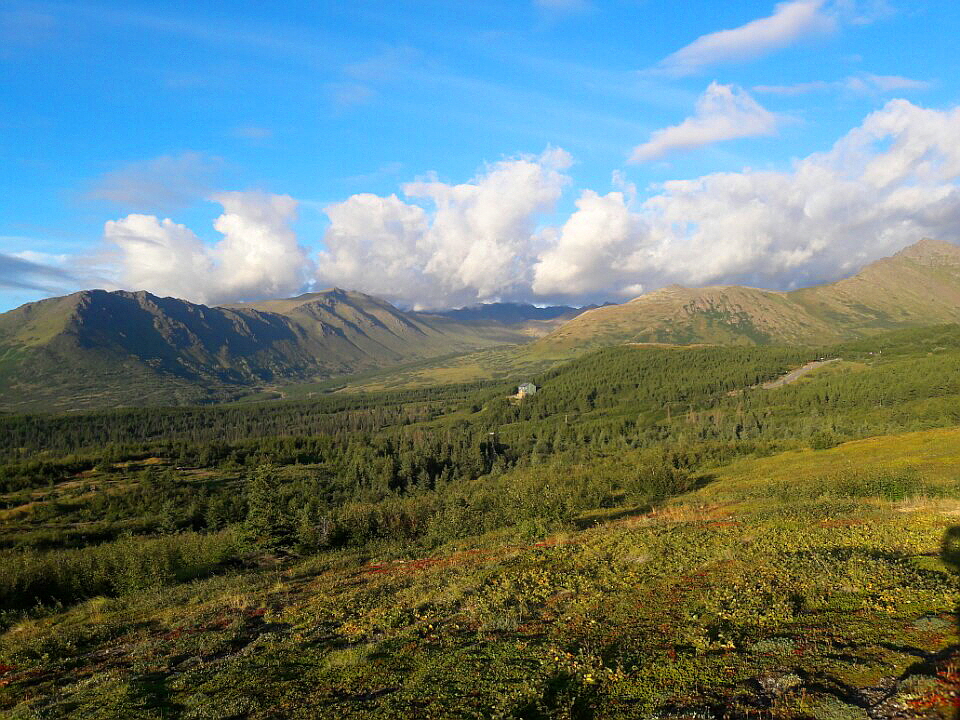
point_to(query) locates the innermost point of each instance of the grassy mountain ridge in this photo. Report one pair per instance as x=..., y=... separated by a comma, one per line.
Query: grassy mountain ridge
x=920, y=285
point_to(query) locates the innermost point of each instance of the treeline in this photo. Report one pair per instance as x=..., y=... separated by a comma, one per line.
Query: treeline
x=201, y=434
x=618, y=397
x=643, y=378
x=142, y=429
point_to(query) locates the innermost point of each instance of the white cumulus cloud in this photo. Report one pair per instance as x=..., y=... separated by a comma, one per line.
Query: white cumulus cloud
x=589, y=255
x=258, y=255
x=789, y=22
x=468, y=242
x=723, y=112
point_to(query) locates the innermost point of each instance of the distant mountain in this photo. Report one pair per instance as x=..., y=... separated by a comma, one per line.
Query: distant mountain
x=920, y=285
x=510, y=313
x=99, y=348
x=534, y=321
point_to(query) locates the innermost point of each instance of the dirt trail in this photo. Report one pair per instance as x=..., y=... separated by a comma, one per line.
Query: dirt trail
x=795, y=375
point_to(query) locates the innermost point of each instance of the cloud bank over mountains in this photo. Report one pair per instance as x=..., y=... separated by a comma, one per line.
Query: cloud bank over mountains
x=473, y=241
x=882, y=186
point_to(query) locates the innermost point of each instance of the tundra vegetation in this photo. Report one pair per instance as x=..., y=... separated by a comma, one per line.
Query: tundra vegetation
x=653, y=534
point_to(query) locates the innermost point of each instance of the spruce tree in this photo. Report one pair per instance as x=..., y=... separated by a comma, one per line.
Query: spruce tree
x=267, y=526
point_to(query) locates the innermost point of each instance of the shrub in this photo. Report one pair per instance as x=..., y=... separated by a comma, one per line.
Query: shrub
x=31, y=577
x=824, y=440
x=657, y=480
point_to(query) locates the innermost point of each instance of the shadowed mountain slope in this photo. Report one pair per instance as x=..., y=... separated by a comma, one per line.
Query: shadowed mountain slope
x=99, y=348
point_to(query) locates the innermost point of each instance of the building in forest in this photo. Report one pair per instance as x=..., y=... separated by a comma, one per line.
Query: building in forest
x=525, y=389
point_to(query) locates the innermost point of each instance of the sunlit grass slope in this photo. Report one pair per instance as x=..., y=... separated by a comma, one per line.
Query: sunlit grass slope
x=809, y=584
x=920, y=285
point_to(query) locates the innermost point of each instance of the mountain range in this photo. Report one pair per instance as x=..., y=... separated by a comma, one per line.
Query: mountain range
x=99, y=349
x=920, y=285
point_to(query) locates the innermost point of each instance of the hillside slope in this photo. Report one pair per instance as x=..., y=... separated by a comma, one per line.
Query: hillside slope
x=789, y=553
x=98, y=348
x=920, y=285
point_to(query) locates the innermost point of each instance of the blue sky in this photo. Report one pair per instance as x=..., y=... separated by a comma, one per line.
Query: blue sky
x=443, y=153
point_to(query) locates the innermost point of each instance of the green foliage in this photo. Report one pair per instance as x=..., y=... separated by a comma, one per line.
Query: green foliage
x=693, y=612
x=890, y=485
x=268, y=525
x=31, y=577
x=630, y=540
x=824, y=439
x=658, y=478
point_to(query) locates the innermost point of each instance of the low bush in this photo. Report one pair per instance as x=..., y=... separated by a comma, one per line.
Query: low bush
x=32, y=577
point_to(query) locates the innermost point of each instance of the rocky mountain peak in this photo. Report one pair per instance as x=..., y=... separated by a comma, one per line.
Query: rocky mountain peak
x=928, y=249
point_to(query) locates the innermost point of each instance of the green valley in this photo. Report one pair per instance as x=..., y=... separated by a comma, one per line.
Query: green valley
x=538, y=360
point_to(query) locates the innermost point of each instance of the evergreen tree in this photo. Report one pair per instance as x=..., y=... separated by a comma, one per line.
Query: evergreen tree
x=267, y=525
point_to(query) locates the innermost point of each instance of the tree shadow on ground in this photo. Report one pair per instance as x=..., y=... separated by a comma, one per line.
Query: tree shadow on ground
x=950, y=553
